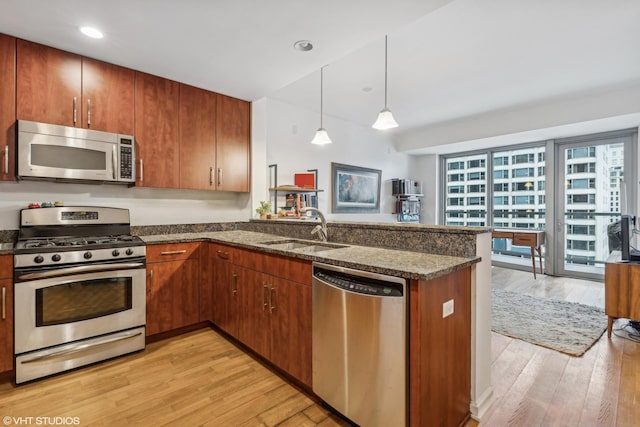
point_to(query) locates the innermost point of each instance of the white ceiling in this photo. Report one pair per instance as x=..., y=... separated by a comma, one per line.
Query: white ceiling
x=447, y=59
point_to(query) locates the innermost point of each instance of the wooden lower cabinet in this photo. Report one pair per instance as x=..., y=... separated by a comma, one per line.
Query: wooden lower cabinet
x=290, y=336
x=226, y=278
x=440, y=350
x=173, y=287
x=254, y=311
x=6, y=313
x=269, y=314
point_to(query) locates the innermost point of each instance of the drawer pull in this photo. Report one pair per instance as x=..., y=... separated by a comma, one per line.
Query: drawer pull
x=150, y=282
x=265, y=304
x=234, y=286
x=223, y=254
x=182, y=251
x=271, y=305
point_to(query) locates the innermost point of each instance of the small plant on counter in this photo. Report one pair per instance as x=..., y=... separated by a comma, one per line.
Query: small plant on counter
x=263, y=209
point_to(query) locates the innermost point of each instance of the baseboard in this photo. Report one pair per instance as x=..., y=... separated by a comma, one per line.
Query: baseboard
x=480, y=406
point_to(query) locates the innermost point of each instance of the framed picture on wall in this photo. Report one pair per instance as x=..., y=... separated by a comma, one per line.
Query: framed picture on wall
x=354, y=189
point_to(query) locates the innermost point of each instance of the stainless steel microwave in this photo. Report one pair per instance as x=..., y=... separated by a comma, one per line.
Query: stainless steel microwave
x=53, y=152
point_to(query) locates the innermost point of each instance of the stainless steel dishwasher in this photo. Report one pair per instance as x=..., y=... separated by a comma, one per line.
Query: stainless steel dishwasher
x=360, y=344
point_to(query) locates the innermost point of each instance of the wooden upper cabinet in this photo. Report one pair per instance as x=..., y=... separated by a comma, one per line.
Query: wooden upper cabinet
x=197, y=138
x=66, y=89
x=49, y=85
x=107, y=97
x=233, y=144
x=156, y=131
x=7, y=108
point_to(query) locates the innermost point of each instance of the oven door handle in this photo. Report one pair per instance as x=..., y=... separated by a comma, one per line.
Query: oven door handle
x=80, y=347
x=81, y=269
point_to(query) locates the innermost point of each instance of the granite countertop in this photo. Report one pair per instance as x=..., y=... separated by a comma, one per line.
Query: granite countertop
x=6, y=248
x=407, y=264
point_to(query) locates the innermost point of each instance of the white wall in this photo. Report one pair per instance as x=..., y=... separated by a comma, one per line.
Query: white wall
x=427, y=171
x=148, y=206
x=289, y=132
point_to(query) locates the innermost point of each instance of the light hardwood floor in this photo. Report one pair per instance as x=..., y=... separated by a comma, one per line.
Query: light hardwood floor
x=201, y=379
x=535, y=386
x=196, y=379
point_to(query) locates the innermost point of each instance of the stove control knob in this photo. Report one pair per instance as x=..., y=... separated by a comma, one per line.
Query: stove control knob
x=39, y=259
x=129, y=251
x=87, y=255
x=115, y=252
x=56, y=258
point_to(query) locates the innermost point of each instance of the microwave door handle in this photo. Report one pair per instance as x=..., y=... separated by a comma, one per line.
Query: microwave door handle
x=114, y=163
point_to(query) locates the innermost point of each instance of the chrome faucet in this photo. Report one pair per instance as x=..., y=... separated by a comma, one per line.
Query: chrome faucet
x=320, y=230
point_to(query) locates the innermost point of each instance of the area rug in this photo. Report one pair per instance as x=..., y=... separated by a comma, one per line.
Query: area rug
x=567, y=327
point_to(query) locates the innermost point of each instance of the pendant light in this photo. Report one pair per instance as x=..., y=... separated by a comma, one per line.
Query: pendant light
x=321, y=137
x=385, y=118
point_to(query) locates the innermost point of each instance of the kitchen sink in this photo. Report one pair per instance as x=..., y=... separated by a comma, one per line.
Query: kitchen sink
x=302, y=245
x=285, y=244
x=319, y=247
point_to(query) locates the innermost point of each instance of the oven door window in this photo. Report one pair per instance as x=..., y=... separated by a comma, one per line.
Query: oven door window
x=87, y=299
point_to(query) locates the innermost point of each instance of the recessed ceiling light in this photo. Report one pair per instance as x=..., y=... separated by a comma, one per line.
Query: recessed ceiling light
x=303, y=45
x=91, y=32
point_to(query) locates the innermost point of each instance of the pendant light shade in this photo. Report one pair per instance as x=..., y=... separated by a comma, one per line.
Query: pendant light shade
x=321, y=137
x=385, y=118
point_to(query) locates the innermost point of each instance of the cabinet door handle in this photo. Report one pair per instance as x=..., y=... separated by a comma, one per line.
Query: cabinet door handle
x=6, y=159
x=182, y=251
x=88, y=112
x=75, y=110
x=150, y=281
x=271, y=299
x=223, y=254
x=211, y=176
x=141, y=171
x=265, y=289
x=234, y=286
x=4, y=303
x=219, y=177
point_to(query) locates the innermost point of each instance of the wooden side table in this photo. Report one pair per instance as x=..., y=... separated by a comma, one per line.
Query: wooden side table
x=532, y=238
x=621, y=290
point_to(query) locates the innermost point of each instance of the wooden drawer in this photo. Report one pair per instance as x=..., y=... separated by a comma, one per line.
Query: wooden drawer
x=293, y=269
x=172, y=252
x=525, y=239
x=6, y=266
x=222, y=252
x=502, y=234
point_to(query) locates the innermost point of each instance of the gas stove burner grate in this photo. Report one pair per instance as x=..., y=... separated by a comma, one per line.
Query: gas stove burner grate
x=47, y=244
x=29, y=244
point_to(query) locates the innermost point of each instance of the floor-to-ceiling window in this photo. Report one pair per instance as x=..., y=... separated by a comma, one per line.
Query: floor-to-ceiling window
x=591, y=195
x=466, y=190
x=575, y=201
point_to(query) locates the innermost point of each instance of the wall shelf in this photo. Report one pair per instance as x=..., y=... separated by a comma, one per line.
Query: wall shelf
x=291, y=189
x=408, y=205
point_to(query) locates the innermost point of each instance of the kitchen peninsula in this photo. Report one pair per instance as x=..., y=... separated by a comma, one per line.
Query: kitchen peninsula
x=441, y=264
x=421, y=244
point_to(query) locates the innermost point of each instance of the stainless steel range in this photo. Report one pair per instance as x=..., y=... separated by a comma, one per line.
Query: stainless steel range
x=79, y=289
